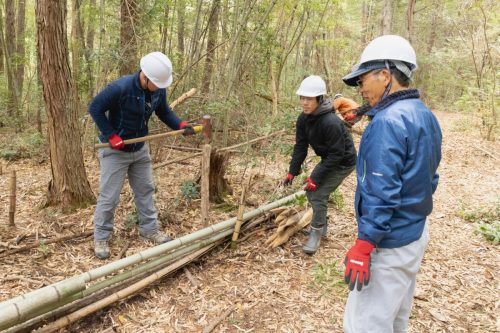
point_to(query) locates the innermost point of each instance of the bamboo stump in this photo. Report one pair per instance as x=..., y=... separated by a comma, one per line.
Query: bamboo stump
x=205, y=184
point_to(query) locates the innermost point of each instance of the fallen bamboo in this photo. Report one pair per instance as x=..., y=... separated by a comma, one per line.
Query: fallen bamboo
x=183, y=98
x=50, y=241
x=197, y=129
x=230, y=148
x=12, y=196
x=66, y=320
x=23, y=307
x=97, y=291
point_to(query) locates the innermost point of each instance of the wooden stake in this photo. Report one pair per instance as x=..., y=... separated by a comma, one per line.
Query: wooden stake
x=12, y=206
x=241, y=210
x=205, y=184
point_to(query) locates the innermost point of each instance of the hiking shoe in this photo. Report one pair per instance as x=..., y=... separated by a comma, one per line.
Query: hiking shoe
x=156, y=238
x=101, y=249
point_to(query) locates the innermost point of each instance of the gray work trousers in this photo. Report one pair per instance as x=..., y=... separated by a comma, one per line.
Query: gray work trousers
x=115, y=166
x=384, y=305
x=319, y=198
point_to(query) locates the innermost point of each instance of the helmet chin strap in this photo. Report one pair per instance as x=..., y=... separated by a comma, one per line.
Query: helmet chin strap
x=389, y=86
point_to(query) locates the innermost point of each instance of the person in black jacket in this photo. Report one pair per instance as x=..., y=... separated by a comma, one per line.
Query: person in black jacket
x=319, y=127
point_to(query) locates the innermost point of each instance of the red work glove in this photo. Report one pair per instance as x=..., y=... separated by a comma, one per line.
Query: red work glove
x=188, y=129
x=116, y=142
x=311, y=186
x=357, y=264
x=288, y=180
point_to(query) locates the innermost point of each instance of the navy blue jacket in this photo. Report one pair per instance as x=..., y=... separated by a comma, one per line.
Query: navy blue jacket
x=328, y=137
x=124, y=108
x=396, y=169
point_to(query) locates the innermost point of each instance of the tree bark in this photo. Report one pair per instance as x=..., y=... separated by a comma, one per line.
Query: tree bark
x=164, y=29
x=128, y=37
x=181, y=13
x=409, y=19
x=386, y=17
x=77, y=48
x=211, y=42
x=69, y=187
x=10, y=63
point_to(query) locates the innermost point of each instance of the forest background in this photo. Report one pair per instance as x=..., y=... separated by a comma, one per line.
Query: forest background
x=245, y=57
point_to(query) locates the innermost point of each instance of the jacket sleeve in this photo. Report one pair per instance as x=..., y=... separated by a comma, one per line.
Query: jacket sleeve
x=166, y=114
x=435, y=181
x=102, y=103
x=300, y=148
x=336, y=143
x=383, y=162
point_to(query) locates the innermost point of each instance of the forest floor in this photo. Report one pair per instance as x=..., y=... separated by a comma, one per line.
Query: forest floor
x=269, y=290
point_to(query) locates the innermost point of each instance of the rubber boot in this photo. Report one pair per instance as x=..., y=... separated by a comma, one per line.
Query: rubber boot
x=313, y=241
x=324, y=231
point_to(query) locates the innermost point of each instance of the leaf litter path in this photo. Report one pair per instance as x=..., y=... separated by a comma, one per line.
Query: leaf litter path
x=280, y=290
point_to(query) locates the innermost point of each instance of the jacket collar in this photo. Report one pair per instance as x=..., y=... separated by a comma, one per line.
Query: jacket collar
x=137, y=82
x=393, y=98
x=322, y=109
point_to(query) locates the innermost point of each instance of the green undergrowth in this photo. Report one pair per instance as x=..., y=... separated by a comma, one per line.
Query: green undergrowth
x=486, y=218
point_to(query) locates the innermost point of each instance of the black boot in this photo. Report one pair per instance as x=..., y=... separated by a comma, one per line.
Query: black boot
x=313, y=241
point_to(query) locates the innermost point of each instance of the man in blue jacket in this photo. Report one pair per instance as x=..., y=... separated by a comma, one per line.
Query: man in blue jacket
x=396, y=168
x=122, y=111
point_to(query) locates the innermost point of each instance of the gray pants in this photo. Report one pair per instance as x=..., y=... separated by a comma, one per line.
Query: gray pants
x=115, y=166
x=385, y=304
x=319, y=198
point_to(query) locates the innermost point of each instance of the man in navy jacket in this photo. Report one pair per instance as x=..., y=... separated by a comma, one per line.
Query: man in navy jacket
x=396, y=171
x=122, y=111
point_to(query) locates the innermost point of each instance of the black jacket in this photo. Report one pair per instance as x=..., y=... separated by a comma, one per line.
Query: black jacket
x=328, y=137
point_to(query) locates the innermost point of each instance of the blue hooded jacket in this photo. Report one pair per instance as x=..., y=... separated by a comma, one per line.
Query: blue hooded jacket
x=396, y=169
x=124, y=108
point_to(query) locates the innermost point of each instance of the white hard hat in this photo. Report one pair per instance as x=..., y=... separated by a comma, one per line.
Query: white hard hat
x=312, y=86
x=157, y=68
x=391, y=48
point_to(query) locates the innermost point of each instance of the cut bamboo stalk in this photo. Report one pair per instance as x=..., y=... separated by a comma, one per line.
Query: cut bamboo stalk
x=66, y=320
x=205, y=184
x=12, y=196
x=241, y=210
x=97, y=291
x=21, y=308
x=183, y=98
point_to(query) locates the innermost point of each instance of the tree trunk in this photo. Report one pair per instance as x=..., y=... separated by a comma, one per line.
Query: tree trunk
x=10, y=55
x=181, y=13
x=128, y=37
x=77, y=49
x=409, y=19
x=89, y=49
x=69, y=187
x=211, y=42
x=21, y=22
x=386, y=17
x=164, y=30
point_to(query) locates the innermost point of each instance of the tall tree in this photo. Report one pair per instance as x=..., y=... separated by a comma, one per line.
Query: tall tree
x=10, y=59
x=77, y=48
x=69, y=186
x=181, y=13
x=128, y=36
x=410, y=12
x=21, y=28
x=386, y=22
x=211, y=42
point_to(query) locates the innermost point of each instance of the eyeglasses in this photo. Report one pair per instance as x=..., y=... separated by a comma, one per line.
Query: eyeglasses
x=359, y=82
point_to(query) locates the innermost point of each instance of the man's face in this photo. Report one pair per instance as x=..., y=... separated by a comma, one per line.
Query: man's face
x=151, y=86
x=308, y=104
x=371, y=85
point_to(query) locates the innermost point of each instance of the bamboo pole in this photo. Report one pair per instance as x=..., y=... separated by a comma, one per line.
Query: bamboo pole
x=22, y=308
x=66, y=320
x=205, y=184
x=12, y=196
x=197, y=129
x=182, y=98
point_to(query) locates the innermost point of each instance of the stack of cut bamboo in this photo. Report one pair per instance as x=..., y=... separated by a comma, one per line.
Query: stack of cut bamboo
x=289, y=221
